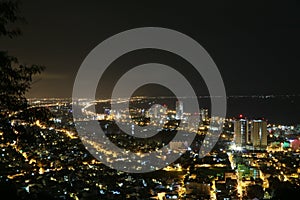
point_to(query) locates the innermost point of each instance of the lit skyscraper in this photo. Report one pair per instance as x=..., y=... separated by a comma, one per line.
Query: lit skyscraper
x=203, y=114
x=157, y=111
x=179, y=109
x=241, y=132
x=259, y=134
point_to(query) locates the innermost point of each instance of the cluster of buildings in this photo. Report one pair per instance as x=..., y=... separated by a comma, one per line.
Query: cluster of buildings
x=263, y=163
x=250, y=134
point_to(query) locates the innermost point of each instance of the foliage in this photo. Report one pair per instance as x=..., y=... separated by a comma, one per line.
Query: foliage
x=16, y=78
x=8, y=16
x=15, y=82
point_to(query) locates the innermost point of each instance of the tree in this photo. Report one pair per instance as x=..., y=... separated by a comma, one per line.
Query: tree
x=15, y=81
x=9, y=15
x=16, y=78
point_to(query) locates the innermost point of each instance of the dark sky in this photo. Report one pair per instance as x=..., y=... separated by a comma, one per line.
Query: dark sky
x=255, y=45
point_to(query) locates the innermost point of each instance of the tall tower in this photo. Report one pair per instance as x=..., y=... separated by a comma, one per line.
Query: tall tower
x=241, y=132
x=179, y=109
x=203, y=114
x=259, y=134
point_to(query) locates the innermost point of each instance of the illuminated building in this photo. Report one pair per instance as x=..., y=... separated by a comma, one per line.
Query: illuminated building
x=203, y=114
x=295, y=144
x=179, y=109
x=193, y=122
x=241, y=138
x=175, y=145
x=155, y=111
x=259, y=134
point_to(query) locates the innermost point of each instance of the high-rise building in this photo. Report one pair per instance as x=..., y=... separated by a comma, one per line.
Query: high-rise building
x=154, y=111
x=157, y=111
x=241, y=138
x=179, y=109
x=193, y=122
x=259, y=134
x=203, y=114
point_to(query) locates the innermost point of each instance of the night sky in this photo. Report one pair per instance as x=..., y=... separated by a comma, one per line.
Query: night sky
x=255, y=45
